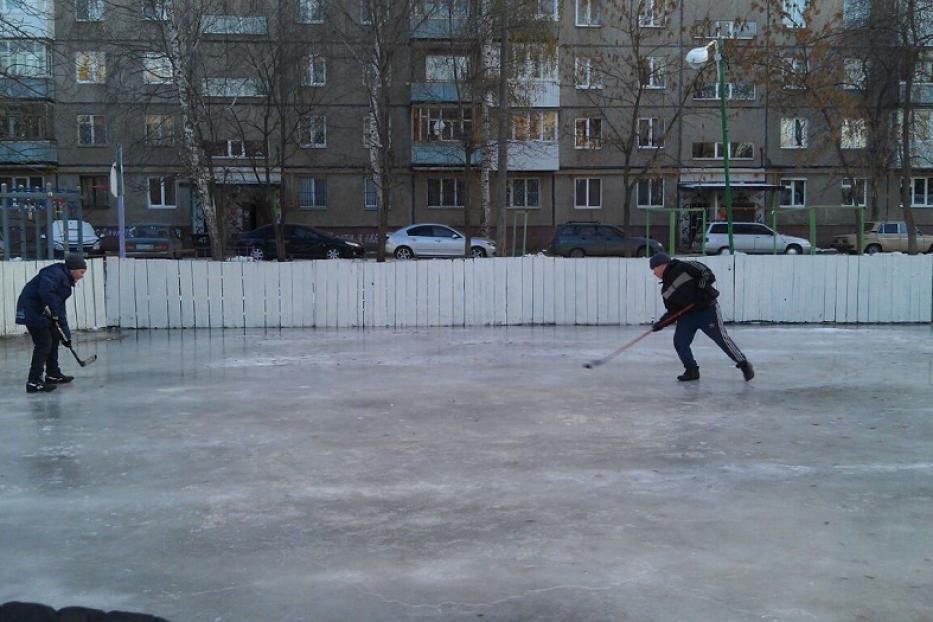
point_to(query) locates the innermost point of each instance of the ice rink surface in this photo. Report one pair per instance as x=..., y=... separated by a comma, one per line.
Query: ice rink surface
x=464, y=474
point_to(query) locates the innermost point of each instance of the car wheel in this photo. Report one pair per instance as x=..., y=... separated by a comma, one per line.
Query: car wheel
x=641, y=252
x=478, y=252
x=793, y=249
x=872, y=249
x=577, y=252
x=332, y=253
x=257, y=253
x=724, y=250
x=403, y=253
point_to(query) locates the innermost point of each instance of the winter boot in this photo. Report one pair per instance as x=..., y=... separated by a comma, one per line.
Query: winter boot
x=747, y=370
x=691, y=373
x=38, y=387
x=58, y=378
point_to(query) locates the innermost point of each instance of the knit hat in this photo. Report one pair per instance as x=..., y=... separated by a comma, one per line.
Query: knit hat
x=659, y=259
x=75, y=262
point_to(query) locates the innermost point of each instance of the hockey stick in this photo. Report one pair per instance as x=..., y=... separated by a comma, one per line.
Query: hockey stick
x=83, y=363
x=615, y=353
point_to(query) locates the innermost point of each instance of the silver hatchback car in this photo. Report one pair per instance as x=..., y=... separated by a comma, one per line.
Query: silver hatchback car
x=433, y=240
x=752, y=237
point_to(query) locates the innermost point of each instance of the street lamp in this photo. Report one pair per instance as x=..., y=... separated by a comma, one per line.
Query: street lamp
x=697, y=58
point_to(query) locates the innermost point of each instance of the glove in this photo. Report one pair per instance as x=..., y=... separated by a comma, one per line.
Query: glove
x=66, y=343
x=657, y=326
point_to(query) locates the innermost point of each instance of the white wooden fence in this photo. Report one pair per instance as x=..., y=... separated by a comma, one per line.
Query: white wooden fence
x=134, y=293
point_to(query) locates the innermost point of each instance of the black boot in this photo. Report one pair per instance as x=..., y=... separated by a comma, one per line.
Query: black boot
x=747, y=370
x=58, y=378
x=691, y=373
x=38, y=387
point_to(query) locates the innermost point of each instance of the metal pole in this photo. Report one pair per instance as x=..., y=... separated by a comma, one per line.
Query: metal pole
x=4, y=208
x=860, y=231
x=514, y=231
x=80, y=228
x=22, y=231
x=49, y=217
x=671, y=225
x=703, y=232
x=812, y=230
x=727, y=192
x=37, y=228
x=121, y=208
x=66, y=221
x=774, y=227
x=648, y=232
x=525, y=234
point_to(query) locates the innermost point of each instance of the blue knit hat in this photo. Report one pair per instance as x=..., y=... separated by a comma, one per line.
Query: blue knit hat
x=75, y=262
x=659, y=259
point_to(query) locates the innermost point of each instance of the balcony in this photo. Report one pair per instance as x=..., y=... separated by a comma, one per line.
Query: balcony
x=532, y=156
x=422, y=92
x=27, y=23
x=922, y=93
x=441, y=154
x=437, y=27
x=28, y=152
x=26, y=88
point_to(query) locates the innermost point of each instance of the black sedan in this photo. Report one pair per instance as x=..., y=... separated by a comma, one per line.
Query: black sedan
x=301, y=242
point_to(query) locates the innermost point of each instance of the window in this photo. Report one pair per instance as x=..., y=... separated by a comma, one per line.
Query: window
x=588, y=192
x=588, y=133
x=546, y=9
x=90, y=67
x=89, y=10
x=535, y=125
x=589, y=12
x=586, y=73
x=24, y=58
x=852, y=134
x=315, y=71
x=160, y=130
x=157, y=68
x=312, y=193
x=370, y=194
x=922, y=192
x=234, y=25
x=233, y=87
x=155, y=9
x=794, y=193
x=534, y=62
x=435, y=123
x=794, y=13
x=892, y=228
x=366, y=13
x=714, y=151
x=855, y=191
x=95, y=190
x=315, y=133
x=651, y=192
x=445, y=68
x=738, y=91
x=18, y=124
x=922, y=126
x=523, y=192
x=310, y=12
x=650, y=133
x=161, y=192
x=795, y=73
x=728, y=29
x=445, y=192
x=652, y=14
x=794, y=133
x=654, y=72
x=854, y=70
x=34, y=182
x=923, y=72
x=236, y=148
x=92, y=130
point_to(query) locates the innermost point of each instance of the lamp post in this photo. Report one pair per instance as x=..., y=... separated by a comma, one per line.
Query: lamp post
x=697, y=58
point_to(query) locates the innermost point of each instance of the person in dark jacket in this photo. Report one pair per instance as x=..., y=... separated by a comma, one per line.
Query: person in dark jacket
x=41, y=304
x=689, y=285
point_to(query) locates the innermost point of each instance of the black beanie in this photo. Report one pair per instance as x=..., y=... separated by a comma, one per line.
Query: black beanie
x=75, y=262
x=659, y=259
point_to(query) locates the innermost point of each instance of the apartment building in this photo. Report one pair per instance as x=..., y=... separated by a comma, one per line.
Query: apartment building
x=606, y=112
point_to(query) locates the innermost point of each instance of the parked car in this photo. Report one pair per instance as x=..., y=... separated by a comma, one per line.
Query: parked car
x=581, y=239
x=882, y=237
x=301, y=242
x=155, y=240
x=89, y=240
x=432, y=240
x=752, y=237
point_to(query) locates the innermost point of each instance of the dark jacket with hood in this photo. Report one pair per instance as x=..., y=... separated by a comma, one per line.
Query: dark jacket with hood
x=50, y=288
x=687, y=283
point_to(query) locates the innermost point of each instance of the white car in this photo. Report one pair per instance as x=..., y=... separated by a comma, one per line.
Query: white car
x=752, y=237
x=89, y=239
x=432, y=240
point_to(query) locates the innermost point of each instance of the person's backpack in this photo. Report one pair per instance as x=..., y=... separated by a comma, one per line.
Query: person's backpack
x=705, y=279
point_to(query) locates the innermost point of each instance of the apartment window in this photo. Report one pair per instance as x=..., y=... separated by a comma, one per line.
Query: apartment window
x=312, y=193
x=310, y=11
x=18, y=124
x=794, y=133
x=366, y=13
x=24, y=58
x=651, y=192
x=651, y=14
x=586, y=73
x=315, y=134
x=161, y=192
x=736, y=91
x=923, y=72
x=36, y=182
x=315, y=70
x=922, y=127
x=852, y=134
x=547, y=9
x=535, y=125
x=922, y=192
x=445, y=192
x=795, y=73
x=442, y=9
x=445, y=68
x=92, y=130
x=650, y=133
x=654, y=72
x=794, y=13
x=714, y=151
x=534, y=62
x=855, y=191
x=94, y=191
x=854, y=70
x=157, y=68
x=588, y=193
x=588, y=133
x=89, y=10
x=160, y=130
x=441, y=123
x=235, y=25
x=370, y=194
x=728, y=29
x=90, y=67
x=794, y=193
x=155, y=10
x=236, y=148
x=233, y=87
x=523, y=192
x=589, y=12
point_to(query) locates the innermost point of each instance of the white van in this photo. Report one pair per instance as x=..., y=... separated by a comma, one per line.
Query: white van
x=89, y=239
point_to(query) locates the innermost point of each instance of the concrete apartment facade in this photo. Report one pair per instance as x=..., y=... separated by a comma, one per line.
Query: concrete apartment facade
x=84, y=75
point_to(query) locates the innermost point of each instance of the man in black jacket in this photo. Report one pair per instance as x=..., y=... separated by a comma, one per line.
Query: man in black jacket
x=689, y=295
x=41, y=304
